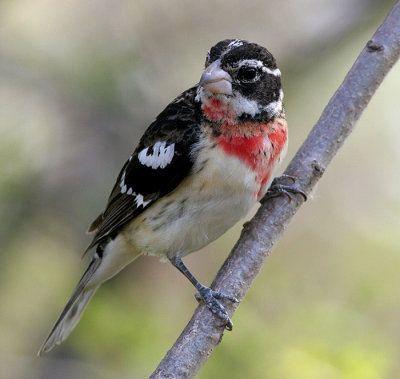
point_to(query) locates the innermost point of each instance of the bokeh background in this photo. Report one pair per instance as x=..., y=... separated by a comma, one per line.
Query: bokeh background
x=79, y=83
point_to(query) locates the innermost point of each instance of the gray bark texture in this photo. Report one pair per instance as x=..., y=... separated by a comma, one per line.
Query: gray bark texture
x=259, y=236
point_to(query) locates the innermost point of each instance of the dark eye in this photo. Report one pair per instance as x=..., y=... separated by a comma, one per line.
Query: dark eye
x=247, y=73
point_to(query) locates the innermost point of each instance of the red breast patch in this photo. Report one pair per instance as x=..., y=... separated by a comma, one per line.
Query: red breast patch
x=259, y=148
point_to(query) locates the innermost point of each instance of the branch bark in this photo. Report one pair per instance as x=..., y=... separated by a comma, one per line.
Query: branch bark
x=260, y=235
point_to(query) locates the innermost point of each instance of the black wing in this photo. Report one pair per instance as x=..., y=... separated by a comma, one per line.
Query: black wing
x=160, y=162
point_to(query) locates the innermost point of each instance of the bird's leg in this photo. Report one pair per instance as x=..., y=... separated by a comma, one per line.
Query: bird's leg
x=276, y=188
x=209, y=296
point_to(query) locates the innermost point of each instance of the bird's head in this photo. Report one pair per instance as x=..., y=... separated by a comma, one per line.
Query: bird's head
x=241, y=82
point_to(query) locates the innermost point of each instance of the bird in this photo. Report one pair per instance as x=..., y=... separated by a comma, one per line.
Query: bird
x=198, y=169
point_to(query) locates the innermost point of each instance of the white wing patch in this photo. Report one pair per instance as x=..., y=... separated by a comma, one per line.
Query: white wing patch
x=140, y=201
x=161, y=157
x=129, y=191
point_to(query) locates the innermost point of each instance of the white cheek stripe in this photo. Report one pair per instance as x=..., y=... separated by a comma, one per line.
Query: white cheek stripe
x=161, y=157
x=241, y=105
x=274, y=108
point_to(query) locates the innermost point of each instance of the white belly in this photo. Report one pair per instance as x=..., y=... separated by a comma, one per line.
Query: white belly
x=202, y=208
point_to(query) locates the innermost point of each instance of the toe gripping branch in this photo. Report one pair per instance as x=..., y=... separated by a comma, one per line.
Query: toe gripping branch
x=277, y=188
x=209, y=296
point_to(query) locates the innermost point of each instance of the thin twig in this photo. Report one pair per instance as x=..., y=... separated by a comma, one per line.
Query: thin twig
x=260, y=235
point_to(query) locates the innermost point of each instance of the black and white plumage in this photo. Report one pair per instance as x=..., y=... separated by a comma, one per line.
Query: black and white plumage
x=198, y=169
x=159, y=163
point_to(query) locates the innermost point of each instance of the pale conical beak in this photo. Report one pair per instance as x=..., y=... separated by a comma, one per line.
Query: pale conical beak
x=216, y=80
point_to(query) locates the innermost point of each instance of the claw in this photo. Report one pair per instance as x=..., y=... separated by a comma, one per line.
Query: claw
x=283, y=177
x=210, y=298
x=198, y=297
x=277, y=189
x=219, y=296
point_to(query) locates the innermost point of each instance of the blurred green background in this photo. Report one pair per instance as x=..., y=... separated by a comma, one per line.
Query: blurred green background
x=79, y=83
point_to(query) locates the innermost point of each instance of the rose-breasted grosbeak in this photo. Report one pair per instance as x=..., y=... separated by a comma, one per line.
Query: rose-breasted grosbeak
x=198, y=169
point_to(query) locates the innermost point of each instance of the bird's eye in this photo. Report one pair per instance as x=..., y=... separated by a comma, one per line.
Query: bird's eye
x=247, y=73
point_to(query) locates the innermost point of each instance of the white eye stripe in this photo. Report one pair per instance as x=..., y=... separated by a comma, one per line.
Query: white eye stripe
x=259, y=64
x=275, y=72
x=161, y=157
x=248, y=62
x=251, y=62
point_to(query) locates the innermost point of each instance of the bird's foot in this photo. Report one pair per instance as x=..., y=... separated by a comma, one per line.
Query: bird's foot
x=210, y=298
x=277, y=188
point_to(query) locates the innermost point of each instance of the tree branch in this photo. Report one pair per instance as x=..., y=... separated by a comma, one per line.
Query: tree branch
x=260, y=235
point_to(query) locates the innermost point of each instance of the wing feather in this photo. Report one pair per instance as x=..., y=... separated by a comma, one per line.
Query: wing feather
x=145, y=181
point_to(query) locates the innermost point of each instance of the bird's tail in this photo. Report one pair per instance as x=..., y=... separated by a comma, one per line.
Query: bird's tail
x=72, y=312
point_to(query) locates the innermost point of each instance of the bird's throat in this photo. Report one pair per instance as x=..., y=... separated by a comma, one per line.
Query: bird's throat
x=217, y=110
